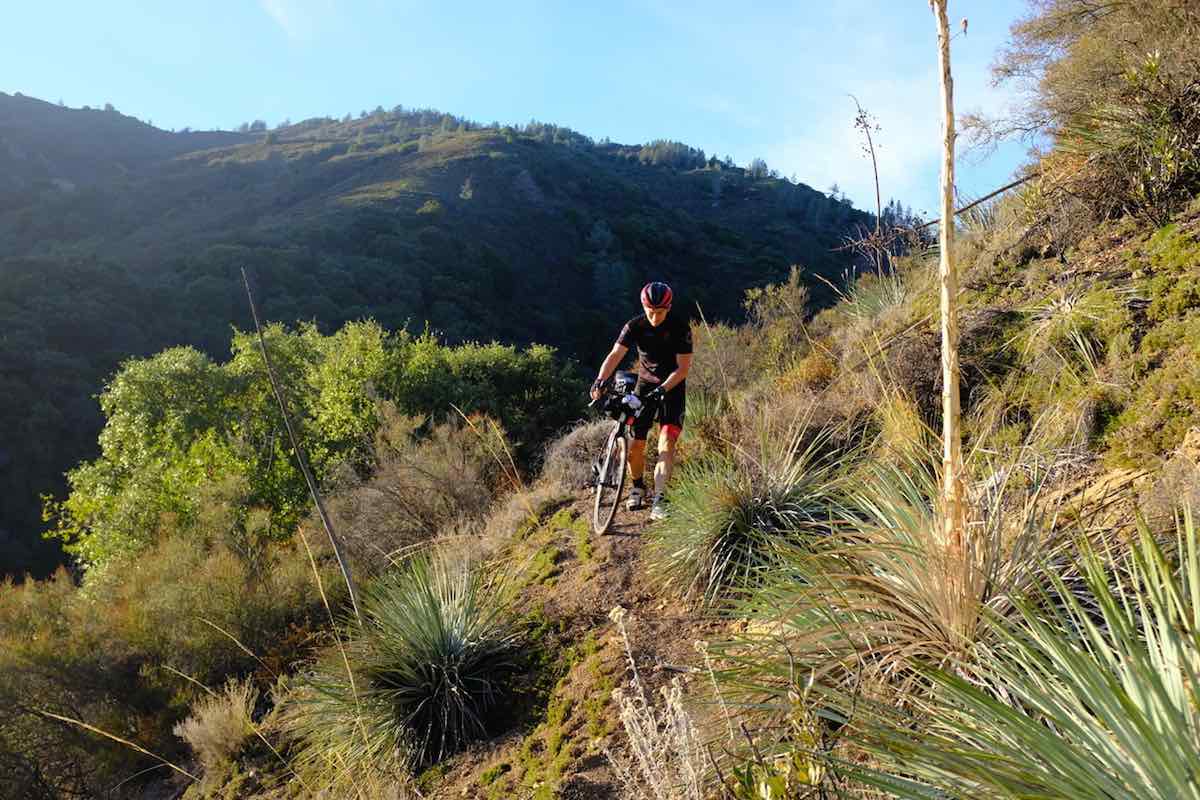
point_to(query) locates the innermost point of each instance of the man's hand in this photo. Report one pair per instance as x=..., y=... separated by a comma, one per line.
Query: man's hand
x=656, y=394
x=596, y=387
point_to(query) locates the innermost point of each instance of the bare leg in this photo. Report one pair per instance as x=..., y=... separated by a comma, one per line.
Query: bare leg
x=637, y=459
x=666, y=460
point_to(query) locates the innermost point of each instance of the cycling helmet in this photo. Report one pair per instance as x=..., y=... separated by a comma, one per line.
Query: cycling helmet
x=656, y=295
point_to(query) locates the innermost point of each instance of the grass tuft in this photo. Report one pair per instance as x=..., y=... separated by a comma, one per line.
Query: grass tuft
x=430, y=666
x=220, y=725
x=731, y=515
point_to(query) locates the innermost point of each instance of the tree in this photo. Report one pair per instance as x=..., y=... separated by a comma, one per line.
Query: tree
x=1070, y=57
x=952, y=464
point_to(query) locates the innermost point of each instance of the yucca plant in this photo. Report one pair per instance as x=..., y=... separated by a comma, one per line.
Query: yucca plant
x=1071, y=324
x=980, y=218
x=868, y=295
x=433, y=658
x=1141, y=147
x=731, y=515
x=891, y=599
x=1090, y=691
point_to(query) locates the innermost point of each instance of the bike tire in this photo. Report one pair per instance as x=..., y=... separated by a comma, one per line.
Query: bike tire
x=610, y=482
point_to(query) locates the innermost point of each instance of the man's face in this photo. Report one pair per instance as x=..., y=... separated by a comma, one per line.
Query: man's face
x=657, y=316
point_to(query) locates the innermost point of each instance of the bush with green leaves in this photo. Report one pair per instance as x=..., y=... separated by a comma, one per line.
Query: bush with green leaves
x=179, y=424
x=1140, y=147
x=532, y=392
x=426, y=673
x=1116, y=84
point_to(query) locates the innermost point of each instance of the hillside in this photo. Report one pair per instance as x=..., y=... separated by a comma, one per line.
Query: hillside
x=807, y=620
x=121, y=239
x=73, y=148
x=802, y=433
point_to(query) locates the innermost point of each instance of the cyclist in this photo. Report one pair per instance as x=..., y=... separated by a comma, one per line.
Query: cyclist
x=664, y=348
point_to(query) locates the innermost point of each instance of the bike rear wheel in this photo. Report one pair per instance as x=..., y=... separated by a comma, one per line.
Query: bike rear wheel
x=609, y=482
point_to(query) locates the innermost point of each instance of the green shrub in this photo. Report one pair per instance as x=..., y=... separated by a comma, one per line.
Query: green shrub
x=183, y=604
x=180, y=427
x=1166, y=405
x=1117, y=86
x=531, y=392
x=429, y=666
x=776, y=315
x=122, y=652
x=1173, y=263
x=1141, y=144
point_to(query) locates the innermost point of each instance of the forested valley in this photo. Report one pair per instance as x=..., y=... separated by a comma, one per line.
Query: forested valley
x=121, y=240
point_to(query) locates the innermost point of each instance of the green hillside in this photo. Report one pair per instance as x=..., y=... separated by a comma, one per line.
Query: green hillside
x=801, y=623
x=121, y=239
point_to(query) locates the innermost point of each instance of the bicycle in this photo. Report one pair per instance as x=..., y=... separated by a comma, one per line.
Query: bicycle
x=620, y=404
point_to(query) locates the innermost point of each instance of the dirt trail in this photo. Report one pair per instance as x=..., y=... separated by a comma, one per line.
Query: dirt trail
x=562, y=755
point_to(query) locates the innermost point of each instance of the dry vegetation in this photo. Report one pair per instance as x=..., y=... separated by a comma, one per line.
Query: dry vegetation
x=796, y=628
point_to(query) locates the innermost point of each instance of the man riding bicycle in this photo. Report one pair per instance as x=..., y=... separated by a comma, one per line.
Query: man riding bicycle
x=664, y=348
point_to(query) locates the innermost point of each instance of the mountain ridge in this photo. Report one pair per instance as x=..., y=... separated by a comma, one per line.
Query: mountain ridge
x=122, y=240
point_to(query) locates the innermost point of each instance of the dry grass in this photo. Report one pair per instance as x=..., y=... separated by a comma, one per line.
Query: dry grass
x=220, y=725
x=666, y=758
x=569, y=458
x=425, y=483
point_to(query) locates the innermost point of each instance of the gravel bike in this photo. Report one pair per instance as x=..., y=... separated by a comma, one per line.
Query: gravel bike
x=618, y=403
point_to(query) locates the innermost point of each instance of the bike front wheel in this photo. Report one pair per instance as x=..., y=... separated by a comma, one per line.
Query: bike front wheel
x=609, y=482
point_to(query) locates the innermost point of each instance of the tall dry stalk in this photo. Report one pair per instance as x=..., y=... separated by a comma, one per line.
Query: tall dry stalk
x=299, y=453
x=952, y=460
x=666, y=759
x=865, y=123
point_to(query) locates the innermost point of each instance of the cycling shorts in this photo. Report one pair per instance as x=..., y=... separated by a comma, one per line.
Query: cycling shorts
x=669, y=412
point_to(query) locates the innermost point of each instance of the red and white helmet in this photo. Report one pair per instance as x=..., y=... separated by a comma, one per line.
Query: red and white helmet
x=656, y=295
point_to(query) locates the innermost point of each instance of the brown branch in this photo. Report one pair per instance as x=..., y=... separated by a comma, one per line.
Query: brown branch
x=299, y=451
x=983, y=199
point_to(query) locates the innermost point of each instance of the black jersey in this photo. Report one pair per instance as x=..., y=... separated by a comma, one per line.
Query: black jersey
x=657, y=348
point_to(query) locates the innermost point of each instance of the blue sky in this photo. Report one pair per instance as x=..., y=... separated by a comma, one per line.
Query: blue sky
x=768, y=79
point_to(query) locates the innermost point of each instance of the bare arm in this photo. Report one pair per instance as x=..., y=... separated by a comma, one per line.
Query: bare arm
x=684, y=361
x=609, y=366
